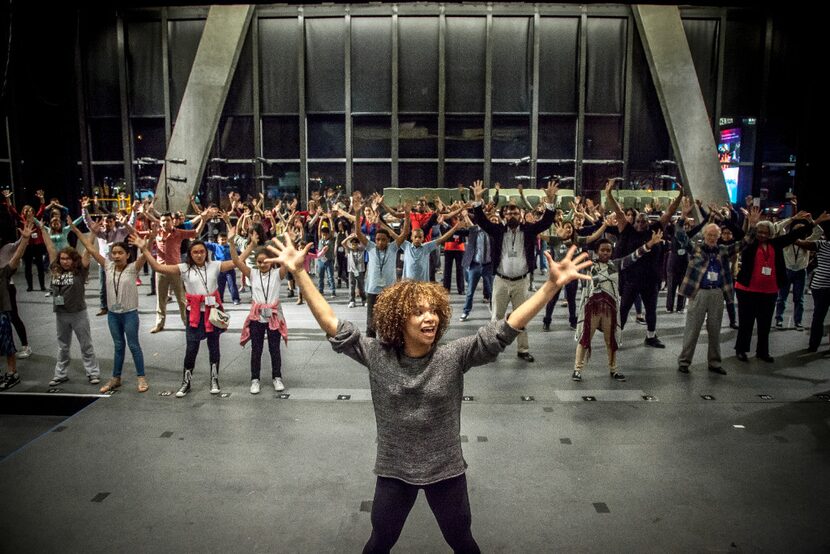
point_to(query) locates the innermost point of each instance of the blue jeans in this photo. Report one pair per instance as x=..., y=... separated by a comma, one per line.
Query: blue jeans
x=796, y=279
x=125, y=325
x=228, y=277
x=327, y=267
x=474, y=273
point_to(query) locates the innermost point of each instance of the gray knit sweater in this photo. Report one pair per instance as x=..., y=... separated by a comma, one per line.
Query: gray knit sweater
x=418, y=400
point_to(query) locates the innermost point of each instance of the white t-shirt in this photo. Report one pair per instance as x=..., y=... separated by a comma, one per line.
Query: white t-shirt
x=265, y=287
x=200, y=280
x=122, y=292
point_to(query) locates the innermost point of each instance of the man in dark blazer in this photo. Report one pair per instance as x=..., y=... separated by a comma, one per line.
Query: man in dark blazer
x=513, y=257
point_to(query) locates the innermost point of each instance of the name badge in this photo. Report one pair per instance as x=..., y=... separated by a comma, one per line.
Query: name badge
x=765, y=270
x=712, y=276
x=215, y=231
x=34, y=235
x=265, y=312
x=512, y=253
x=57, y=300
x=116, y=308
x=210, y=301
x=681, y=251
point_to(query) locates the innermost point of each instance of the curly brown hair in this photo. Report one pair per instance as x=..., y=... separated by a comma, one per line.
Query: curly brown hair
x=397, y=302
x=55, y=267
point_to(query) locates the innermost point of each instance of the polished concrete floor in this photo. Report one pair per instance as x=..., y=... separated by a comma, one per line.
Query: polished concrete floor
x=661, y=463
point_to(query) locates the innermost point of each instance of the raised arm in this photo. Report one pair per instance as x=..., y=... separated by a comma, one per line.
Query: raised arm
x=293, y=260
x=25, y=235
x=666, y=217
x=559, y=274
x=47, y=241
x=448, y=234
x=609, y=194
x=143, y=246
x=358, y=232
x=91, y=248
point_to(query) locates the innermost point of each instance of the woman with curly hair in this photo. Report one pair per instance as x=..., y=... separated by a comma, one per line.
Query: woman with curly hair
x=417, y=387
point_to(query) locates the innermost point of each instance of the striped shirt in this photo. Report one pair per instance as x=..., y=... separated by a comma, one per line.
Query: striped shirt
x=821, y=276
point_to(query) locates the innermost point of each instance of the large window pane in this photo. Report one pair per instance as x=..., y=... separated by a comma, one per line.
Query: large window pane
x=603, y=138
x=101, y=51
x=557, y=137
x=462, y=173
x=285, y=183
x=558, y=64
x=594, y=177
x=183, y=41
x=605, y=67
x=416, y=175
x=464, y=137
x=371, y=177
x=418, y=136
x=105, y=178
x=105, y=135
x=236, y=137
x=148, y=137
x=326, y=136
x=325, y=51
x=281, y=137
x=240, y=99
x=702, y=36
x=278, y=42
x=649, y=138
x=144, y=68
x=371, y=64
x=465, y=53
x=512, y=63
x=743, y=62
x=371, y=137
x=511, y=136
x=506, y=173
x=564, y=171
x=418, y=64
x=322, y=175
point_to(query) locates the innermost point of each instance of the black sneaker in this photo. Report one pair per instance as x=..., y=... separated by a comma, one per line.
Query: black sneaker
x=683, y=369
x=576, y=376
x=617, y=376
x=185, y=388
x=641, y=320
x=546, y=326
x=9, y=380
x=654, y=342
x=718, y=370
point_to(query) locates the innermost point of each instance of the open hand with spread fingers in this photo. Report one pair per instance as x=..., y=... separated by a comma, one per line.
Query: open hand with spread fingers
x=568, y=268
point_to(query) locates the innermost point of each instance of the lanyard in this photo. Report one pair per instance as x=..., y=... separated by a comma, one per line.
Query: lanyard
x=383, y=261
x=203, y=279
x=117, y=284
x=263, y=287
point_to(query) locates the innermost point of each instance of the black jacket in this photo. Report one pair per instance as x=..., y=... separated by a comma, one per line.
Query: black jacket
x=497, y=230
x=778, y=244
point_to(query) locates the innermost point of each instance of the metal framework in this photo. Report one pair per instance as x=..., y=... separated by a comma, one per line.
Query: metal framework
x=394, y=12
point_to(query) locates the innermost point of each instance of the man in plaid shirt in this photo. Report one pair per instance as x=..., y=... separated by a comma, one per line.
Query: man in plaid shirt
x=707, y=281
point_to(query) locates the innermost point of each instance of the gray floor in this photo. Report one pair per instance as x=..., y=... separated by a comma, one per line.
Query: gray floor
x=143, y=472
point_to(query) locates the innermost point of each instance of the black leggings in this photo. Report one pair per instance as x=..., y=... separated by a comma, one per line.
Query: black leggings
x=648, y=290
x=449, y=503
x=258, y=333
x=16, y=321
x=195, y=335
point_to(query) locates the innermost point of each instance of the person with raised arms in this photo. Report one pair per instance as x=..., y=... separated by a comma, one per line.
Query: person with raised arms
x=122, y=316
x=417, y=387
x=200, y=279
x=266, y=317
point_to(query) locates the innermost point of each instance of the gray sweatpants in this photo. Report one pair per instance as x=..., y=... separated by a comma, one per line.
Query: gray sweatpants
x=707, y=304
x=78, y=323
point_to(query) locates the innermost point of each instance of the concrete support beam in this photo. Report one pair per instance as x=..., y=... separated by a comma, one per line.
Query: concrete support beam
x=204, y=99
x=681, y=101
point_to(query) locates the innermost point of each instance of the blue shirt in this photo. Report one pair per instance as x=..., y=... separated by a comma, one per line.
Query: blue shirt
x=380, y=269
x=416, y=260
x=713, y=267
x=221, y=252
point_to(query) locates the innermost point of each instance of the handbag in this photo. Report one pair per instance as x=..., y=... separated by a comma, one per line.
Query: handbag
x=219, y=319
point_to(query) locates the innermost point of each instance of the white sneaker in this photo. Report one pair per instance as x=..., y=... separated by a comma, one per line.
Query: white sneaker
x=279, y=386
x=24, y=353
x=254, y=386
x=351, y=304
